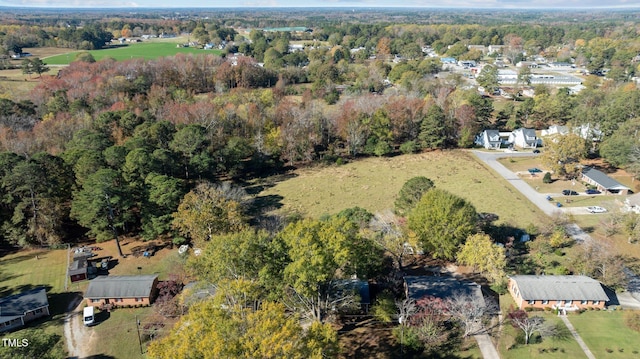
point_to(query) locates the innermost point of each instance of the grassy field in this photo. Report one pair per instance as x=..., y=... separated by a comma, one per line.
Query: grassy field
x=145, y=50
x=119, y=328
x=22, y=271
x=606, y=330
x=373, y=184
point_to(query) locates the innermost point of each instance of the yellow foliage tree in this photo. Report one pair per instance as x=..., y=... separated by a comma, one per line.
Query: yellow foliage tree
x=211, y=331
x=484, y=256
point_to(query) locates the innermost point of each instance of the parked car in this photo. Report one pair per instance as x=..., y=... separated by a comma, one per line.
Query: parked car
x=536, y=151
x=596, y=209
x=592, y=191
x=534, y=170
x=568, y=192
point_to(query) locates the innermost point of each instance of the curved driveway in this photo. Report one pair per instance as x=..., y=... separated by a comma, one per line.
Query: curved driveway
x=491, y=159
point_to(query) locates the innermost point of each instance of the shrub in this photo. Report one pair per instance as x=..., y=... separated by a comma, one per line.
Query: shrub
x=632, y=319
x=409, y=147
x=547, y=178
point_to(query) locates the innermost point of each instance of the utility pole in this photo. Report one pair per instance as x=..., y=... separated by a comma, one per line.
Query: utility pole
x=138, y=329
x=113, y=227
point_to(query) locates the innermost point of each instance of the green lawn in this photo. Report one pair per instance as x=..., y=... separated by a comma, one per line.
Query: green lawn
x=145, y=50
x=373, y=184
x=602, y=330
x=118, y=335
x=22, y=271
x=548, y=348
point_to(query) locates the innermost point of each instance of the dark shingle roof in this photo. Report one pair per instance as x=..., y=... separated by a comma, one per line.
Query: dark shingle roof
x=132, y=286
x=559, y=287
x=18, y=304
x=602, y=179
x=441, y=287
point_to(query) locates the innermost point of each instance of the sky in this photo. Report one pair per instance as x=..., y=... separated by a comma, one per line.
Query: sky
x=355, y=4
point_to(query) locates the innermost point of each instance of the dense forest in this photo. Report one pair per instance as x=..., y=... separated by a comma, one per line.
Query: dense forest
x=109, y=144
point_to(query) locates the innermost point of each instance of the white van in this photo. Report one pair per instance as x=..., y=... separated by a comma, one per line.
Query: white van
x=88, y=316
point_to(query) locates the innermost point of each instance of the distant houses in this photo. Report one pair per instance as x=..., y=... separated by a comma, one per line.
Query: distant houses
x=522, y=137
x=18, y=309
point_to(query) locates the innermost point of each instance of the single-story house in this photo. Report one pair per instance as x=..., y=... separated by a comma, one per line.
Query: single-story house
x=524, y=138
x=603, y=182
x=566, y=292
x=632, y=203
x=418, y=287
x=122, y=290
x=18, y=309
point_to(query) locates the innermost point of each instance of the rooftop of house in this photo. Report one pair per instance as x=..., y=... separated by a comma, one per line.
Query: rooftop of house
x=132, y=286
x=559, y=287
x=16, y=305
x=441, y=287
x=602, y=179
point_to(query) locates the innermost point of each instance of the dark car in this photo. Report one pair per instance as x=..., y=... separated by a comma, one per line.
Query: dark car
x=592, y=191
x=568, y=192
x=536, y=151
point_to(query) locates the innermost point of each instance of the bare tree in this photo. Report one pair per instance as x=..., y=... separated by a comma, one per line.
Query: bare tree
x=390, y=236
x=470, y=312
x=531, y=325
x=406, y=309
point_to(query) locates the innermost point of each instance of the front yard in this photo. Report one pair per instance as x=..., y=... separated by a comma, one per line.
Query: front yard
x=606, y=334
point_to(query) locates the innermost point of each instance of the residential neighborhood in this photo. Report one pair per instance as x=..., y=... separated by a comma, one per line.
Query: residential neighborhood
x=319, y=182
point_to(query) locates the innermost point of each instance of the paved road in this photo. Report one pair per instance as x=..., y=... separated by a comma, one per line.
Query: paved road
x=491, y=159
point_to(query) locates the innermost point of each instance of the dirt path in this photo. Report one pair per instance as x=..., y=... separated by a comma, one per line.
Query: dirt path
x=80, y=339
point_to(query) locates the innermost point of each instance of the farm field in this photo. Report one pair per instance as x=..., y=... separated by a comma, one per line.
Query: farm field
x=373, y=184
x=146, y=50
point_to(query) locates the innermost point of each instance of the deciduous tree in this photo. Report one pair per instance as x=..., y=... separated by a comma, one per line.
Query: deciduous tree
x=484, y=256
x=208, y=210
x=410, y=194
x=442, y=221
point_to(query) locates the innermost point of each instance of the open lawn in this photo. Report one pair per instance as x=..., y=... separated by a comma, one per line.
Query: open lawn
x=565, y=347
x=16, y=86
x=118, y=335
x=145, y=50
x=606, y=335
x=22, y=271
x=373, y=184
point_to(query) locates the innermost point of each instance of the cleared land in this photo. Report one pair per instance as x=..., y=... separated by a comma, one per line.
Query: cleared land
x=373, y=184
x=145, y=50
